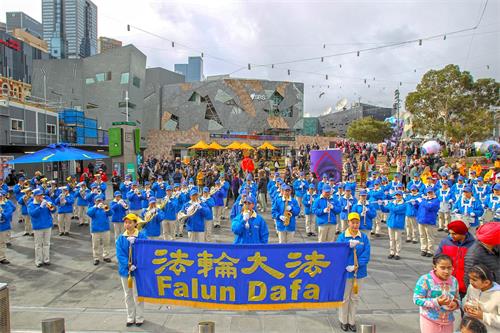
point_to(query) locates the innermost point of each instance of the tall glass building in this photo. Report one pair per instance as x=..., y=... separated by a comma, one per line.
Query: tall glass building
x=70, y=28
x=193, y=70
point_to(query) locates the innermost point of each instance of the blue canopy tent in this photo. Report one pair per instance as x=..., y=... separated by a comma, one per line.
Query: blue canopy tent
x=57, y=152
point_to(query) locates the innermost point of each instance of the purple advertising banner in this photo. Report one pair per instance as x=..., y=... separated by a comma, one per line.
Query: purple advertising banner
x=327, y=162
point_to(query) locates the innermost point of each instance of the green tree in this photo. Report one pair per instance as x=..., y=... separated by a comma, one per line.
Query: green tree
x=369, y=130
x=448, y=103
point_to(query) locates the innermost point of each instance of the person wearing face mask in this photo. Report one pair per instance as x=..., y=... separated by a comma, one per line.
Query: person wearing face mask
x=248, y=226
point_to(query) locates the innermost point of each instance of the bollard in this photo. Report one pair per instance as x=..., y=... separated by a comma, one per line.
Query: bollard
x=367, y=329
x=53, y=325
x=4, y=308
x=206, y=327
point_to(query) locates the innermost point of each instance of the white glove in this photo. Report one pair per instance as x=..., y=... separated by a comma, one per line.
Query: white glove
x=289, y=208
x=419, y=199
x=247, y=225
x=246, y=216
x=282, y=218
x=326, y=210
x=350, y=268
x=379, y=202
x=100, y=205
x=131, y=239
x=43, y=204
x=472, y=214
x=353, y=243
x=132, y=268
x=153, y=210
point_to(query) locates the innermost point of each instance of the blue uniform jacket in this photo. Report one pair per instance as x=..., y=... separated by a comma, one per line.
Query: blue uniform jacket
x=210, y=202
x=17, y=191
x=412, y=204
x=397, y=214
x=159, y=189
x=170, y=210
x=100, y=219
x=145, y=199
x=82, y=200
x=362, y=251
x=319, y=206
x=419, y=184
x=118, y=211
x=345, y=209
x=427, y=211
x=300, y=187
x=153, y=227
x=279, y=208
x=466, y=207
x=308, y=201
x=135, y=201
x=24, y=206
x=67, y=208
x=196, y=223
x=366, y=221
x=41, y=218
x=257, y=233
x=219, y=197
x=235, y=209
x=122, y=251
x=8, y=210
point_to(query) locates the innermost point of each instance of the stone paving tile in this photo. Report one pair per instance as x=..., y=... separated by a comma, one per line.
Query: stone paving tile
x=72, y=283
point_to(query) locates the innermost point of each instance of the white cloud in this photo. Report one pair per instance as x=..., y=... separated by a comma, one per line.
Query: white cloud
x=264, y=32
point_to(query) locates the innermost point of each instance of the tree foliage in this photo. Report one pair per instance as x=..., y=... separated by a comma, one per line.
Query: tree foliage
x=448, y=103
x=369, y=130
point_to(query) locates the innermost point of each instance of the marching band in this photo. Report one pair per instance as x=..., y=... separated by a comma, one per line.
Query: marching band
x=413, y=213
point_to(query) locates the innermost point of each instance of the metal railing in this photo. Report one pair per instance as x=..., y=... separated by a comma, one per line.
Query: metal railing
x=13, y=137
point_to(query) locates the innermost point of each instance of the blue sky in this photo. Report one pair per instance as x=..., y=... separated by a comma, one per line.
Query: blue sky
x=267, y=32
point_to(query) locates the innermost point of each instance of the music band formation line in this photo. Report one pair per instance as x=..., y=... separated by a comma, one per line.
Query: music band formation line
x=332, y=211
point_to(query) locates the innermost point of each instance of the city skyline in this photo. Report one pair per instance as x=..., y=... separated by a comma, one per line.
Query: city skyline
x=243, y=33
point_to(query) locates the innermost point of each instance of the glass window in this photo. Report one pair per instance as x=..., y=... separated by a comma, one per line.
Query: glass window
x=108, y=76
x=17, y=125
x=89, y=80
x=99, y=77
x=124, y=78
x=136, y=82
x=51, y=129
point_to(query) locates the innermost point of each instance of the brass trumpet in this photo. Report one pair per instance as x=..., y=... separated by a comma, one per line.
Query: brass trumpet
x=106, y=208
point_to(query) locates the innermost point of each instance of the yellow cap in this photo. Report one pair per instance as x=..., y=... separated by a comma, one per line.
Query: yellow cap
x=353, y=216
x=132, y=217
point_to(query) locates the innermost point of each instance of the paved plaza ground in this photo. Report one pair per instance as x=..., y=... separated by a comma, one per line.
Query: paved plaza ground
x=90, y=298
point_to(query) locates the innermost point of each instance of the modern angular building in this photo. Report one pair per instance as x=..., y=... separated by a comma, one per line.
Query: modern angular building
x=192, y=71
x=99, y=86
x=338, y=122
x=20, y=20
x=70, y=28
x=234, y=105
